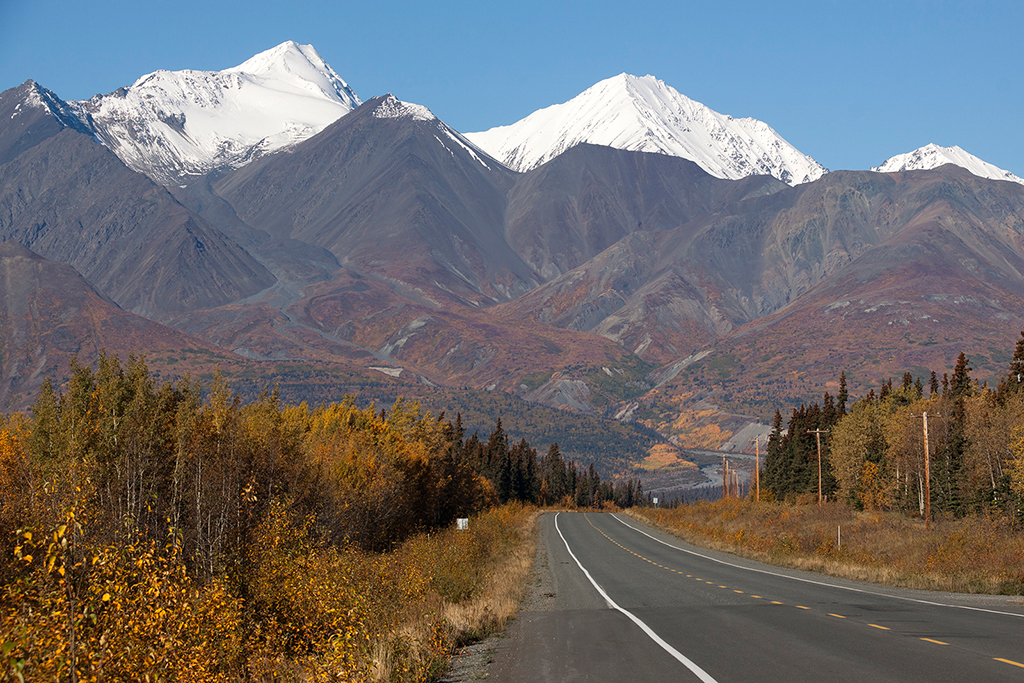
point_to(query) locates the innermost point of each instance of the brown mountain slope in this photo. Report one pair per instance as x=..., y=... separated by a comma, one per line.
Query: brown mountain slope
x=70, y=199
x=948, y=280
x=568, y=210
x=372, y=322
x=393, y=191
x=50, y=315
x=667, y=294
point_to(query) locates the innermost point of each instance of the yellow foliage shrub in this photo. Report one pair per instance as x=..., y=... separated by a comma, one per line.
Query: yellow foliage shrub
x=114, y=614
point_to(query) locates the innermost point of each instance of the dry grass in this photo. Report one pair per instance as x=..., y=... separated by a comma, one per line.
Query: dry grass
x=472, y=584
x=972, y=555
x=662, y=456
x=503, y=592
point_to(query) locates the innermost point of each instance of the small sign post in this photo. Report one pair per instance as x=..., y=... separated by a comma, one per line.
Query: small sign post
x=462, y=524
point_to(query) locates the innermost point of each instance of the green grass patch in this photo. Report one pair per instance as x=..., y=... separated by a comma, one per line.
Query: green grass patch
x=535, y=379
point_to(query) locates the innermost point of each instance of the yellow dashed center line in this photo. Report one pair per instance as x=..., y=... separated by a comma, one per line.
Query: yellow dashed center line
x=1008, y=661
x=774, y=602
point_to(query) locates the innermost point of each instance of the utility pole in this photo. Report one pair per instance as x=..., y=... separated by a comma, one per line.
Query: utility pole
x=725, y=475
x=927, y=472
x=757, y=471
x=817, y=437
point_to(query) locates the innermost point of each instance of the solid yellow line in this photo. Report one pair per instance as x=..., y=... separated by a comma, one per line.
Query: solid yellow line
x=837, y=616
x=1008, y=661
x=937, y=642
x=884, y=628
x=802, y=607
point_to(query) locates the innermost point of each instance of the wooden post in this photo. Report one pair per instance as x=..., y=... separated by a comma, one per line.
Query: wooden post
x=927, y=471
x=927, y=476
x=725, y=474
x=757, y=471
x=817, y=436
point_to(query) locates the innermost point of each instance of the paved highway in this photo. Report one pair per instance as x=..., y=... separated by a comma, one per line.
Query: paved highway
x=615, y=600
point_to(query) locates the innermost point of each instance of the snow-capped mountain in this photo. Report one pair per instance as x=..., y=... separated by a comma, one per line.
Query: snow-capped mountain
x=933, y=156
x=172, y=125
x=646, y=115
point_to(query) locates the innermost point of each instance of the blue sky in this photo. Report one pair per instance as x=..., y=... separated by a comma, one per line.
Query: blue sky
x=850, y=83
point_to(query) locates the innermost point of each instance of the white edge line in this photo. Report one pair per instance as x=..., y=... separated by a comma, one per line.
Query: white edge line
x=689, y=664
x=818, y=583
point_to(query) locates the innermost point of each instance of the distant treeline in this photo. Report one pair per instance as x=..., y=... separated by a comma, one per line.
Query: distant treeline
x=613, y=446
x=873, y=452
x=518, y=475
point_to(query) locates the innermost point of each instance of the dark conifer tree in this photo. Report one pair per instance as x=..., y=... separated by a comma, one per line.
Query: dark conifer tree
x=1014, y=379
x=960, y=385
x=844, y=395
x=947, y=465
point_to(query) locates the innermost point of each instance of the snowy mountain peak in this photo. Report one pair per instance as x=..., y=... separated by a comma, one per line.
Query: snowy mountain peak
x=173, y=125
x=644, y=114
x=391, y=107
x=290, y=64
x=33, y=95
x=932, y=156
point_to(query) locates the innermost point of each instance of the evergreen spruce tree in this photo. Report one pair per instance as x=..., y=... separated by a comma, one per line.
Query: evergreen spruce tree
x=844, y=395
x=960, y=385
x=773, y=458
x=1014, y=379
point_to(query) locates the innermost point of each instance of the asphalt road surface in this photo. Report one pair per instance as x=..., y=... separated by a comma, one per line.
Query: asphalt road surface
x=615, y=600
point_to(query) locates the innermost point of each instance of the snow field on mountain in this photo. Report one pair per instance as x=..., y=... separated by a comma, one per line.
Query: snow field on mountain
x=932, y=156
x=644, y=114
x=170, y=124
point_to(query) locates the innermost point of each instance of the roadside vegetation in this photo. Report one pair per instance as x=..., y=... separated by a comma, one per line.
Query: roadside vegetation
x=174, y=533
x=957, y=524
x=972, y=554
